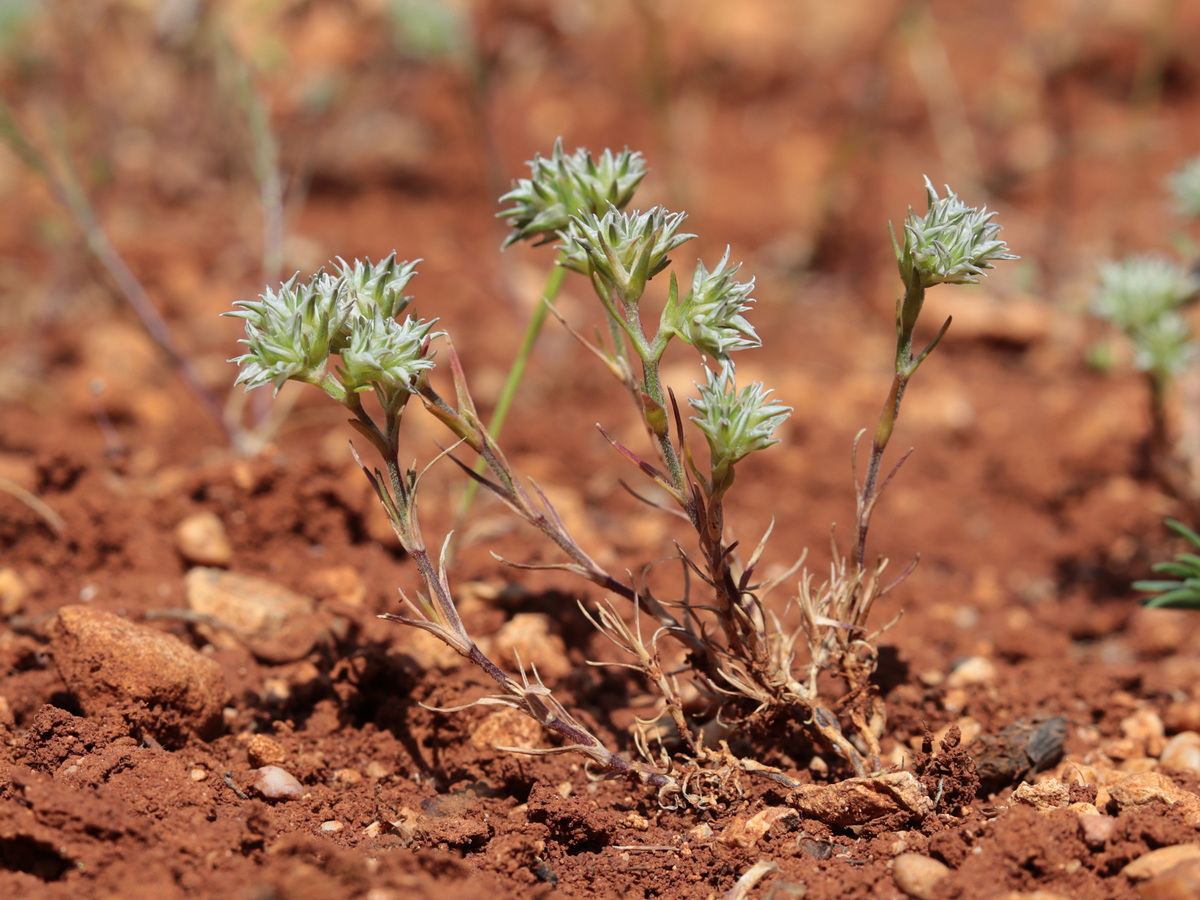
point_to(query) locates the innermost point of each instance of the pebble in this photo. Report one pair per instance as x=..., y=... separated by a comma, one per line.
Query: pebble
x=507, y=728
x=745, y=833
x=274, y=783
x=164, y=687
x=1180, y=882
x=347, y=777
x=198, y=774
x=262, y=750
x=1146, y=730
x=527, y=639
x=332, y=827
x=13, y=592
x=277, y=625
x=972, y=670
x=1182, y=715
x=1096, y=831
x=917, y=875
x=1156, y=862
x=1144, y=788
x=201, y=539
x=1043, y=796
x=1182, y=752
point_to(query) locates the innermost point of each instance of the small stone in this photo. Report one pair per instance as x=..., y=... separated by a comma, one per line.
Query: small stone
x=202, y=541
x=163, y=687
x=1182, y=715
x=198, y=774
x=507, y=728
x=972, y=670
x=745, y=833
x=1096, y=830
x=332, y=827
x=1144, y=788
x=857, y=801
x=1182, y=752
x=1146, y=730
x=1154, y=863
x=262, y=750
x=701, y=833
x=13, y=592
x=1180, y=882
x=374, y=830
x=1043, y=796
x=347, y=777
x=917, y=875
x=277, y=625
x=342, y=584
x=527, y=640
x=376, y=769
x=274, y=783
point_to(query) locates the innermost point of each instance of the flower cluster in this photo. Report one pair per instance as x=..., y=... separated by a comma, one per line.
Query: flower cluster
x=1142, y=296
x=735, y=423
x=564, y=186
x=710, y=315
x=1185, y=188
x=624, y=249
x=292, y=332
x=951, y=244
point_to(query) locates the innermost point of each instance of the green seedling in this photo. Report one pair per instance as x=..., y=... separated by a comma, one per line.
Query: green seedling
x=1182, y=591
x=716, y=642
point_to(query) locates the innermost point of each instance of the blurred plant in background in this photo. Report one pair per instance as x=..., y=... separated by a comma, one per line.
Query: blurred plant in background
x=1146, y=299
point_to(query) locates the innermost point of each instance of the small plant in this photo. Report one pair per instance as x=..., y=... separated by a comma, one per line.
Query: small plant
x=1144, y=297
x=718, y=656
x=1182, y=592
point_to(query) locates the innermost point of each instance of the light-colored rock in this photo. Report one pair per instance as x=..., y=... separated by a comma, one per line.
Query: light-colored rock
x=1182, y=752
x=917, y=876
x=163, y=687
x=857, y=801
x=274, y=783
x=276, y=624
x=262, y=750
x=1145, y=729
x=13, y=592
x=1180, y=882
x=1044, y=795
x=745, y=833
x=342, y=584
x=1144, y=788
x=972, y=670
x=202, y=540
x=1154, y=863
x=1096, y=830
x=527, y=640
x=508, y=727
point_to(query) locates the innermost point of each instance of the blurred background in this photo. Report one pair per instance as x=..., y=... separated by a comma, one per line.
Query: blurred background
x=195, y=151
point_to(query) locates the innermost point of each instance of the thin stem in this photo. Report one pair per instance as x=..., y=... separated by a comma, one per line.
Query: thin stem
x=504, y=403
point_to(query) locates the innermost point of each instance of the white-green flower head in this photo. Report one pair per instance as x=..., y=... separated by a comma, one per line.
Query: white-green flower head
x=384, y=354
x=736, y=423
x=1164, y=347
x=292, y=332
x=366, y=287
x=1185, y=188
x=289, y=333
x=1137, y=291
x=951, y=244
x=710, y=316
x=564, y=186
x=624, y=249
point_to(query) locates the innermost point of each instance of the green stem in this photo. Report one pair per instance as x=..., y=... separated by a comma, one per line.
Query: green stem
x=512, y=384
